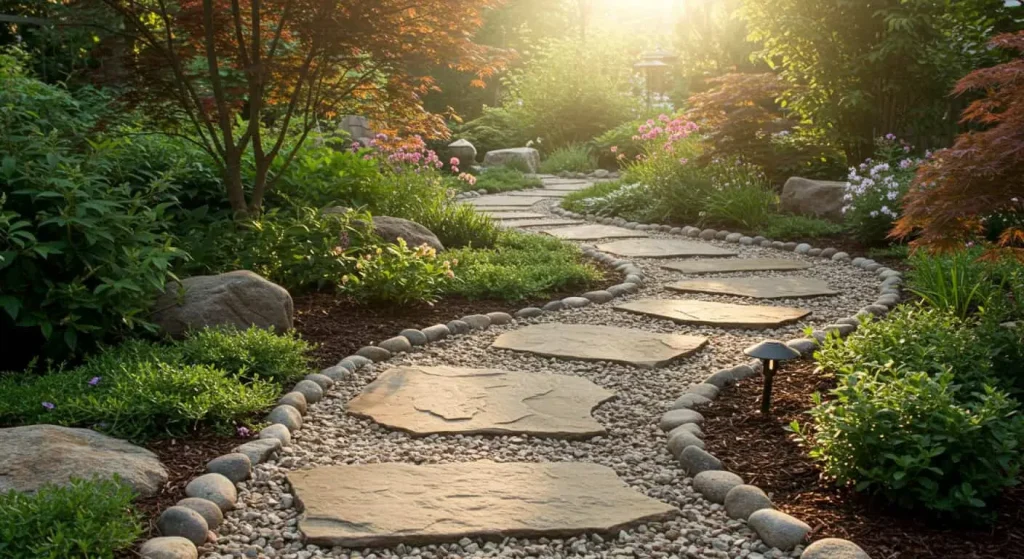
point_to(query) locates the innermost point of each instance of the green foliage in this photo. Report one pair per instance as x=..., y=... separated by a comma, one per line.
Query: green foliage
x=742, y=196
x=496, y=128
x=908, y=437
x=892, y=252
x=614, y=198
x=796, y=227
x=503, y=179
x=84, y=520
x=574, y=158
x=326, y=173
x=619, y=145
x=520, y=266
x=252, y=354
x=875, y=188
x=397, y=274
x=962, y=284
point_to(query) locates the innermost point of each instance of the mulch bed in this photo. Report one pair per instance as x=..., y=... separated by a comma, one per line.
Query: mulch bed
x=760, y=450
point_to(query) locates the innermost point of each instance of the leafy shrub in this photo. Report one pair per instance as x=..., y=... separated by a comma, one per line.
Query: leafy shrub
x=619, y=145
x=86, y=519
x=875, y=189
x=250, y=354
x=907, y=437
x=741, y=197
x=796, y=227
x=497, y=128
x=614, y=198
x=327, y=173
x=400, y=275
x=503, y=179
x=521, y=266
x=891, y=252
x=574, y=158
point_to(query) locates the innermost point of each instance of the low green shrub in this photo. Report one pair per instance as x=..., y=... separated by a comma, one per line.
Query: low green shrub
x=398, y=274
x=520, y=266
x=619, y=145
x=496, y=128
x=84, y=520
x=909, y=438
x=796, y=228
x=742, y=196
x=573, y=158
x=503, y=179
x=614, y=198
x=252, y=354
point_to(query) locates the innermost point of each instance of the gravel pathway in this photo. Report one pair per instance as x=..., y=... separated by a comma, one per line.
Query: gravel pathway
x=265, y=523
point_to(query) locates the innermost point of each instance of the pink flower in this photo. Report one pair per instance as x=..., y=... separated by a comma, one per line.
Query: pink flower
x=683, y=161
x=455, y=169
x=615, y=149
x=454, y=162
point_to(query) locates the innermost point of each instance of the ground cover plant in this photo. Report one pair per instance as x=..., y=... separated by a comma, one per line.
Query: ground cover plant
x=572, y=158
x=502, y=179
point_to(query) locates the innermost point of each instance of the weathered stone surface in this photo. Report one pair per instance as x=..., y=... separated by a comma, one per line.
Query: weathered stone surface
x=505, y=201
x=183, y=522
x=436, y=332
x=477, y=321
x=758, y=288
x=499, y=318
x=696, y=460
x=240, y=299
x=260, y=450
x=600, y=343
x=416, y=337
x=529, y=312
x=386, y=504
x=169, y=547
x=393, y=228
x=524, y=223
x=427, y=400
x=736, y=265
x=679, y=441
x=543, y=193
x=715, y=484
x=287, y=416
x=662, y=248
x=215, y=488
x=398, y=344
x=464, y=150
x=744, y=500
x=235, y=466
x=374, y=353
x=527, y=158
x=689, y=401
x=35, y=455
x=592, y=233
x=708, y=391
x=674, y=418
x=710, y=313
x=834, y=548
x=814, y=198
x=778, y=529
x=207, y=509
x=490, y=210
x=512, y=216
x=310, y=390
x=276, y=432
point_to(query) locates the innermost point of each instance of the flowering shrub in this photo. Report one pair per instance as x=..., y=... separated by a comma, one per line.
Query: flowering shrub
x=400, y=275
x=875, y=189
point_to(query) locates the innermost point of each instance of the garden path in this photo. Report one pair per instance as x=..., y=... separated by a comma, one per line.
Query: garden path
x=541, y=437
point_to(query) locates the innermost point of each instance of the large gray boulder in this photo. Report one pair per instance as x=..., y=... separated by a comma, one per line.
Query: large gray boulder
x=526, y=158
x=392, y=228
x=240, y=299
x=35, y=455
x=464, y=150
x=814, y=198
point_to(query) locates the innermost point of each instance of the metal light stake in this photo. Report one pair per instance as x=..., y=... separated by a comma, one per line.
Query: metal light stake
x=771, y=353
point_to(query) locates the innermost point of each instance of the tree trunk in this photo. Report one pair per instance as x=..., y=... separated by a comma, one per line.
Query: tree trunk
x=233, y=182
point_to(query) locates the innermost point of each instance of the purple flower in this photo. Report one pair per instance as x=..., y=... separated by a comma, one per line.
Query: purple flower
x=243, y=432
x=49, y=405
x=890, y=136
x=94, y=381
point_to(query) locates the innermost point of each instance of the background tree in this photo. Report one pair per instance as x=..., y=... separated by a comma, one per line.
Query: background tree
x=711, y=40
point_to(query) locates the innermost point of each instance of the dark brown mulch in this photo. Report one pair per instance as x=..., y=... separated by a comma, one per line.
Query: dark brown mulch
x=761, y=451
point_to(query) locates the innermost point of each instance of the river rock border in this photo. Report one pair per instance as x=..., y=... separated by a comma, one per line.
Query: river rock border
x=682, y=421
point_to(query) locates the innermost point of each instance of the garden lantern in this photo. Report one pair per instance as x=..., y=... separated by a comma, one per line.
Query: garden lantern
x=654, y=64
x=771, y=353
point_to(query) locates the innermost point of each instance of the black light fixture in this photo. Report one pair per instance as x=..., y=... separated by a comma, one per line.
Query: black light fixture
x=655, y=65
x=771, y=353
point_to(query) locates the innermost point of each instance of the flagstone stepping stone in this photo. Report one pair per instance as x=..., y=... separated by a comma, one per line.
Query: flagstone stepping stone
x=709, y=313
x=538, y=223
x=736, y=265
x=378, y=505
x=494, y=209
x=429, y=400
x=758, y=288
x=588, y=342
x=545, y=193
x=592, y=233
x=662, y=248
x=506, y=216
x=505, y=201
x=568, y=187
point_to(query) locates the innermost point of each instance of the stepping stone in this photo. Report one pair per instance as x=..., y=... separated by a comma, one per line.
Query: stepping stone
x=593, y=232
x=758, y=288
x=542, y=193
x=446, y=400
x=662, y=248
x=736, y=265
x=567, y=187
x=384, y=505
x=504, y=201
x=708, y=313
x=495, y=209
x=600, y=343
x=538, y=222
x=514, y=215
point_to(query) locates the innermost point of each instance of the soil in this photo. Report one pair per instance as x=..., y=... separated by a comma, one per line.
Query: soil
x=765, y=454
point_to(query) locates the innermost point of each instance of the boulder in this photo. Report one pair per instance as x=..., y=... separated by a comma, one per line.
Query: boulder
x=393, y=228
x=464, y=150
x=240, y=299
x=526, y=159
x=814, y=198
x=35, y=455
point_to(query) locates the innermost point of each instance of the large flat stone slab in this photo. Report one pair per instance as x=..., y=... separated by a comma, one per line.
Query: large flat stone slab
x=496, y=209
x=505, y=200
x=736, y=265
x=588, y=342
x=593, y=233
x=376, y=505
x=662, y=248
x=757, y=287
x=539, y=223
x=430, y=400
x=516, y=215
x=542, y=193
x=709, y=313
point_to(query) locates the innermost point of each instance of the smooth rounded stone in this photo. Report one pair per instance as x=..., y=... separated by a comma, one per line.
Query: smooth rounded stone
x=634, y=278
x=858, y=261
x=643, y=227
x=873, y=267
x=741, y=372
x=834, y=548
x=744, y=500
x=849, y=320
x=631, y=225
x=499, y=318
x=722, y=235
x=778, y=245
x=766, y=244
x=337, y=372
x=213, y=487
x=209, y=510
x=665, y=228
x=802, y=248
x=691, y=231
x=877, y=310
x=689, y=401
x=681, y=440
x=734, y=237
x=416, y=337
x=623, y=289
x=805, y=346
x=706, y=390
x=529, y=312
x=235, y=466
x=778, y=529
x=888, y=300
x=758, y=239
x=374, y=353
x=819, y=335
x=708, y=234
x=632, y=270
x=398, y=344
x=891, y=282
x=727, y=377
x=790, y=246
x=886, y=274
x=169, y=547
x=756, y=365
x=277, y=432
x=323, y=381
x=436, y=332
x=576, y=302
x=696, y=460
x=294, y=399
x=746, y=241
x=260, y=450
x=674, y=418
x=598, y=297
x=814, y=252
x=840, y=257
x=310, y=390
x=691, y=428
x=829, y=252
x=477, y=321
x=554, y=306
x=675, y=231
x=358, y=361
x=287, y=416
x=714, y=485
x=183, y=522
x=843, y=329
x=458, y=327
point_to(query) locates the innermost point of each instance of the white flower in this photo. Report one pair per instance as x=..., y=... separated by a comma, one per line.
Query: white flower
x=873, y=213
